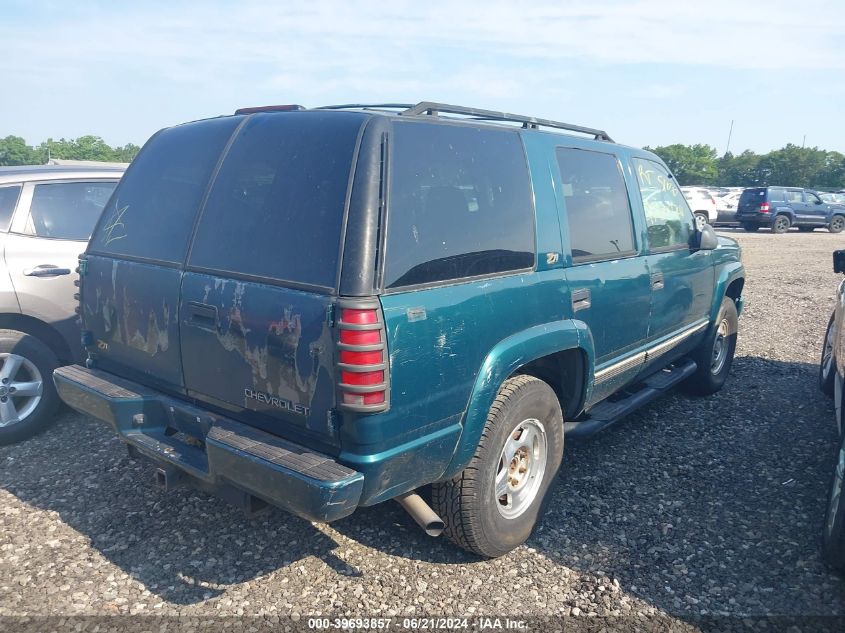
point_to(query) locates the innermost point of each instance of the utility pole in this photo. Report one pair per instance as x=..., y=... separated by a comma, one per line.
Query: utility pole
x=804, y=141
x=730, y=132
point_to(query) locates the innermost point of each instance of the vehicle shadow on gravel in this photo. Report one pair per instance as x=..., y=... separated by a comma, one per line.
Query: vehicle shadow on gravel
x=184, y=546
x=690, y=504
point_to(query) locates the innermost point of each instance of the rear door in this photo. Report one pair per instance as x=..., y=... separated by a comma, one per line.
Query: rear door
x=134, y=263
x=800, y=208
x=262, y=271
x=608, y=278
x=50, y=230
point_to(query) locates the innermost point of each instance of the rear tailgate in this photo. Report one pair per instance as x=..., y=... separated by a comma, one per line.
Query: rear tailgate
x=262, y=274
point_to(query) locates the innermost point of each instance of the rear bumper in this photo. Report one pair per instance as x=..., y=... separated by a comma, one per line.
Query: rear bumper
x=219, y=454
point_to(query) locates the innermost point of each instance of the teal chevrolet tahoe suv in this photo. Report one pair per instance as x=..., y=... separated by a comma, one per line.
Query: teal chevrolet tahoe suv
x=328, y=308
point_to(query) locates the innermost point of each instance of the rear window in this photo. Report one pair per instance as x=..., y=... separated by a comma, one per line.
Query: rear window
x=67, y=210
x=152, y=212
x=598, y=212
x=460, y=204
x=276, y=208
x=752, y=196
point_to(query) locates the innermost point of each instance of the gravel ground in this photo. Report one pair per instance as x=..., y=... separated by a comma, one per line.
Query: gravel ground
x=690, y=507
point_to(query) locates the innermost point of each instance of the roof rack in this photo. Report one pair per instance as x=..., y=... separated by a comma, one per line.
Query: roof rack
x=433, y=108
x=367, y=106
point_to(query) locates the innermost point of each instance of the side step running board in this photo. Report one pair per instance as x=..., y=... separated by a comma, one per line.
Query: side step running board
x=606, y=413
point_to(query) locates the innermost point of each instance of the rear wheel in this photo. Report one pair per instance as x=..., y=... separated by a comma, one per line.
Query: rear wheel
x=714, y=355
x=833, y=534
x=751, y=228
x=827, y=367
x=28, y=398
x=493, y=505
x=781, y=224
x=837, y=223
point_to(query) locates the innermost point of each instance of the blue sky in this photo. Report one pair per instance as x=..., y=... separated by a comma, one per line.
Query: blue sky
x=649, y=72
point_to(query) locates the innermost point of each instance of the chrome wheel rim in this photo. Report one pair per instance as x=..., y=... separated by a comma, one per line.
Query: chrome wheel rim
x=837, y=223
x=782, y=223
x=21, y=389
x=521, y=466
x=836, y=490
x=827, y=353
x=700, y=221
x=720, y=348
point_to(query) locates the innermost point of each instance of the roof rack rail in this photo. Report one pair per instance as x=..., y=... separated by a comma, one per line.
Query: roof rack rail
x=365, y=106
x=433, y=108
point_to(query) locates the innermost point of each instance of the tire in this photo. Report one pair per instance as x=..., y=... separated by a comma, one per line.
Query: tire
x=751, y=228
x=701, y=219
x=827, y=364
x=833, y=531
x=476, y=518
x=25, y=360
x=781, y=224
x=712, y=371
x=807, y=229
x=837, y=223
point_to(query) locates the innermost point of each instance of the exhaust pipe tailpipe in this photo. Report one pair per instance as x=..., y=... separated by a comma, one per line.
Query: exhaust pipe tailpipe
x=422, y=513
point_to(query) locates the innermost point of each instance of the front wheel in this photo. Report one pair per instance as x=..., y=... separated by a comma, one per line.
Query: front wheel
x=833, y=534
x=781, y=224
x=700, y=220
x=837, y=223
x=827, y=366
x=714, y=355
x=493, y=505
x=28, y=398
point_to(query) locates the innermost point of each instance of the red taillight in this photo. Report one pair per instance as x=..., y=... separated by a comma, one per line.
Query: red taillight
x=362, y=359
x=764, y=207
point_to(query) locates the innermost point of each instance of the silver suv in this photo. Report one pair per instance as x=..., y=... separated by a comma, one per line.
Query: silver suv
x=47, y=214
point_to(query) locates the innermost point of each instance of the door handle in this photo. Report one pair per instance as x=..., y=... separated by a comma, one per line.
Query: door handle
x=657, y=281
x=46, y=270
x=202, y=313
x=581, y=299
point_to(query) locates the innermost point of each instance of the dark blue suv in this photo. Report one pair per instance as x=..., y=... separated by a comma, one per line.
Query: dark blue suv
x=780, y=208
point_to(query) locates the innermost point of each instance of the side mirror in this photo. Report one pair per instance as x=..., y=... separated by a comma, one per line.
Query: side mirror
x=707, y=239
x=839, y=261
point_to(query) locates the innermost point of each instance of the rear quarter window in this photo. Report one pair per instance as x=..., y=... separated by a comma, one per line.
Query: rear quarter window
x=152, y=212
x=8, y=201
x=460, y=204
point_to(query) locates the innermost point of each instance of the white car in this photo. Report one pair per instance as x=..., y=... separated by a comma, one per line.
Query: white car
x=703, y=205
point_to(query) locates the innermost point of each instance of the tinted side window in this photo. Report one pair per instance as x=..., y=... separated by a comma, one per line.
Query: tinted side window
x=8, y=201
x=460, y=204
x=276, y=207
x=597, y=206
x=67, y=210
x=775, y=194
x=668, y=219
x=152, y=212
x=794, y=196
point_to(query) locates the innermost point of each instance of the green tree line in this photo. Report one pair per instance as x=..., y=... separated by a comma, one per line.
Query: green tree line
x=15, y=151
x=793, y=166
